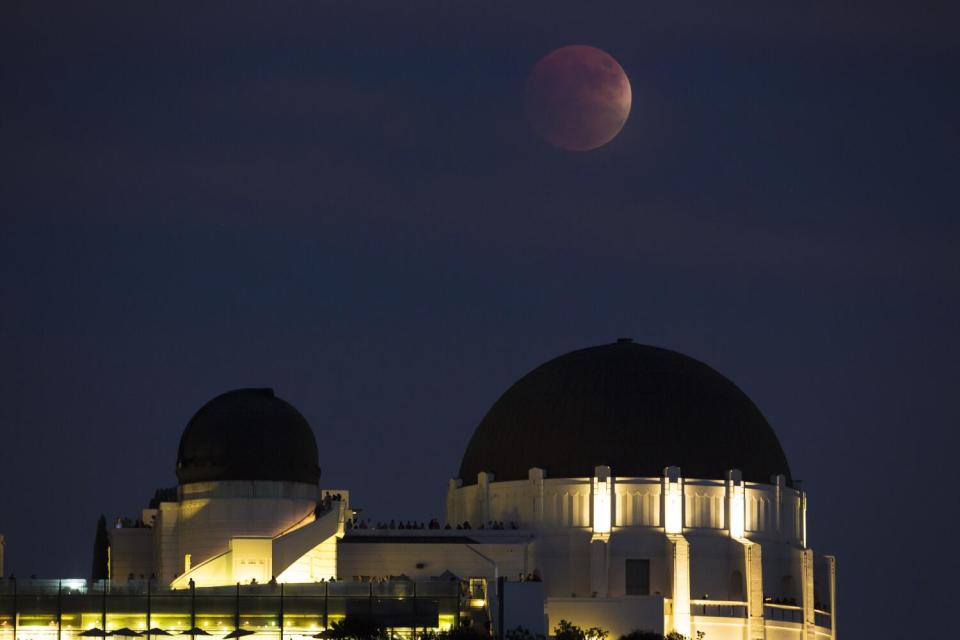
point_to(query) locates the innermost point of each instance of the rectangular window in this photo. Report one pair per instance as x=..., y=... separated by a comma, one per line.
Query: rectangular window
x=637, y=576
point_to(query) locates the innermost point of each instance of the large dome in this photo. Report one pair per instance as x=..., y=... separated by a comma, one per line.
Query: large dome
x=633, y=407
x=248, y=434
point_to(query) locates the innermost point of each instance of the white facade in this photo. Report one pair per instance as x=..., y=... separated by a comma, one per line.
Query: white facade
x=717, y=555
x=725, y=557
x=722, y=556
x=220, y=533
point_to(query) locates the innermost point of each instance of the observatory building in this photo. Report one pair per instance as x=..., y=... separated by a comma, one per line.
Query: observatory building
x=621, y=486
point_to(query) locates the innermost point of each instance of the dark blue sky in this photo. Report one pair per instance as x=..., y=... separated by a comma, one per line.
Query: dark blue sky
x=343, y=200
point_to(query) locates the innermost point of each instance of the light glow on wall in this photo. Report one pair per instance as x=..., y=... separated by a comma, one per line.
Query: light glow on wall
x=673, y=506
x=803, y=519
x=601, y=505
x=737, y=510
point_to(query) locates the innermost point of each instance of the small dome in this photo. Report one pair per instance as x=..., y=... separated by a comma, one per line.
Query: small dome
x=633, y=407
x=248, y=434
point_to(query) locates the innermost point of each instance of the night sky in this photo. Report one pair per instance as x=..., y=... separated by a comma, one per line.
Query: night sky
x=344, y=201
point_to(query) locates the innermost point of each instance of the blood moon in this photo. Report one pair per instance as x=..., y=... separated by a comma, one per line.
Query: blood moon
x=578, y=98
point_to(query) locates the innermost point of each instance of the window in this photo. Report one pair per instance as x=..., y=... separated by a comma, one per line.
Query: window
x=637, y=576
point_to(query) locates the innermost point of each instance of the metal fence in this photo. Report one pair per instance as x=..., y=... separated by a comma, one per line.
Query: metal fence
x=47, y=609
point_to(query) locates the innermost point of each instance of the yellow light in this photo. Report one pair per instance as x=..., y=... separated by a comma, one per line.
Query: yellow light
x=737, y=511
x=601, y=505
x=673, y=517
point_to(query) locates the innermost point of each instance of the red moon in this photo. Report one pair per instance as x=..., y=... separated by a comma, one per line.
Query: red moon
x=578, y=98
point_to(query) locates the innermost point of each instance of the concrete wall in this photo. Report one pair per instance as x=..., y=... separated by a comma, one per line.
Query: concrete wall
x=716, y=520
x=639, y=545
x=167, y=562
x=211, y=513
x=131, y=551
x=367, y=553
x=716, y=568
x=637, y=502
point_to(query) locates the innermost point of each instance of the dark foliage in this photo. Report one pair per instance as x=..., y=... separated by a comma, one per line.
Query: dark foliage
x=642, y=635
x=101, y=546
x=457, y=633
x=522, y=633
x=566, y=630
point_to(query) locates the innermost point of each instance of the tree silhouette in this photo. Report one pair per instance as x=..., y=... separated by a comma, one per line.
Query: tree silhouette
x=101, y=546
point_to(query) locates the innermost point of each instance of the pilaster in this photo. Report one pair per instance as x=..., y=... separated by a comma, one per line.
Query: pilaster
x=753, y=577
x=680, y=552
x=809, y=617
x=672, y=502
x=779, y=482
x=600, y=568
x=735, y=504
x=832, y=568
x=535, y=475
x=484, y=479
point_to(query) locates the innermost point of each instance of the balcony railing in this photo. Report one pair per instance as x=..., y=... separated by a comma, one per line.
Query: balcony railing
x=823, y=619
x=783, y=612
x=719, y=608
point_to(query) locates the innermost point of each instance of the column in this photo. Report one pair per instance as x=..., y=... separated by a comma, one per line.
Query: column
x=736, y=504
x=601, y=502
x=752, y=553
x=753, y=577
x=484, y=479
x=672, y=516
x=535, y=474
x=809, y=618
x=600, y=568
x=779, y=481
x=680, y=550
x=832, y=568
x=601, y=522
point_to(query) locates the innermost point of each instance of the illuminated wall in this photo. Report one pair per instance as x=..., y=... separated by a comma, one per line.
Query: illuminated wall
x=377, y=553
x=214, y=526
x=725, y=556
x=305, y=553
x=211, y=513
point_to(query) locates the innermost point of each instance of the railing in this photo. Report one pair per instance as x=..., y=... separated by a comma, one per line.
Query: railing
x=42, y=607
x=719, y=608
x=783, y=612
x=41, y=587
x=823, y=619
x=344, y=588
